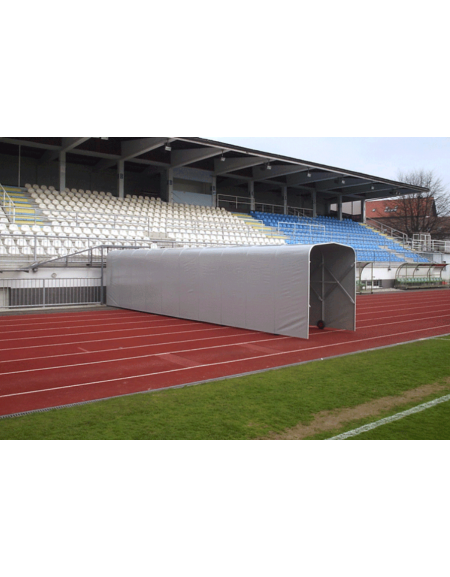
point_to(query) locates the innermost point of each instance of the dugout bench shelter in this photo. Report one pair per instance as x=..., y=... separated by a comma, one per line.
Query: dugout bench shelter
x=273, y=289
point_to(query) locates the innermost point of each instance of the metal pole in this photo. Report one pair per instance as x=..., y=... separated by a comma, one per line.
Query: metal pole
x=323, y=288
x=102, y=282
x=20, y=147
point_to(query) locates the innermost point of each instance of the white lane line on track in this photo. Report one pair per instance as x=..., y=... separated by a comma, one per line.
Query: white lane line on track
x=141, y=357
x=378, y=318
x=152, y=335
x=121, y=319
x=101, y=332
x=259, y=357
x=387, y=420
x=151, y=319
x=402, y=306
x=439, y=295
x=118, y=323
x=131, y=348
x=23, y=319
x=400, y=322
x=148, y=322
x=378, y=311
x=359, y=327
x=403, y=295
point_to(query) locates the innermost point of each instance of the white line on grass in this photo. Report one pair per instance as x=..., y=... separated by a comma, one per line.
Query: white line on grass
x=388, y=420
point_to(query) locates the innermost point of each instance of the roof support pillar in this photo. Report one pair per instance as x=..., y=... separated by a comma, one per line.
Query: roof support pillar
x=214, y=191
x=285, y=199
x=340, y=208
x=314, y=203
x=251, y=192
x=62, y=171
x=363, y=211
x=121, y=178
x=167, y=185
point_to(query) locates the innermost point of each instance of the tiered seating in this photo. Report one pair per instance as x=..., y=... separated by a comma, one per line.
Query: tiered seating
x=369, y=245
x=24, y=205
x=3, y=217
x=99, y=215
x=76, y=220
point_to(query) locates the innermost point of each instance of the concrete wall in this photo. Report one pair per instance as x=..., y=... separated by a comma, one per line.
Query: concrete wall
x=77, y=176
x=192, y=198
x=47, y=273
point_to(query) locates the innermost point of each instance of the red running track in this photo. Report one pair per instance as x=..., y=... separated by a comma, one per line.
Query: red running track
x=65, y=358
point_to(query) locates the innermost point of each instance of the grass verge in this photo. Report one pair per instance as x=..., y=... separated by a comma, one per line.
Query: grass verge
x=252, y=407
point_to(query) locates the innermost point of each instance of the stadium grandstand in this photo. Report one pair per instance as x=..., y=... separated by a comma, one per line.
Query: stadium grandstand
x=65, y=202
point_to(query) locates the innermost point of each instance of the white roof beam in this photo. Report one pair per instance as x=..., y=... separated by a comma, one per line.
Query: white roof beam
x=190, y=156
x=20, y=142
x=233, y=164
x=67, y=144
x=341, y=182
x=261, y=173
x=370, y=188
x=133, y=148
x=303, y=178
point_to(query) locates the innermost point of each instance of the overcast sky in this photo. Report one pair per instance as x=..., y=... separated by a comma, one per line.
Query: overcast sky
x=382, y=157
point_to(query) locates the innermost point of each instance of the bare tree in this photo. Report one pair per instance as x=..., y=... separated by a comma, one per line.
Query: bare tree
x=422, y=212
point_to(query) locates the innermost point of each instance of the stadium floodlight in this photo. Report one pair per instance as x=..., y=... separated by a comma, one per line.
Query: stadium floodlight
x=222, y=158
x=168, y=148
x=309, y=174
x=268, y=166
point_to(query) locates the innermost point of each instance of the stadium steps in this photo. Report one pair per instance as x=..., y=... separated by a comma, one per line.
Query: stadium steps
x=406, y=258
x=399, y=254
x=26, y=209
x=259, y=226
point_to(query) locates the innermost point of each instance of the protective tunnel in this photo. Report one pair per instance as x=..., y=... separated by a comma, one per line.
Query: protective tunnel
x=276, y=290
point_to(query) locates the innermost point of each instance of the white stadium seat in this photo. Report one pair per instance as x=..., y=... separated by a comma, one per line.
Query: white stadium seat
x=79, y=213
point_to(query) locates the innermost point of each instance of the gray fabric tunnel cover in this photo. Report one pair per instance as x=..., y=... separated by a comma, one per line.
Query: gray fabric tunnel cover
x=273, y=289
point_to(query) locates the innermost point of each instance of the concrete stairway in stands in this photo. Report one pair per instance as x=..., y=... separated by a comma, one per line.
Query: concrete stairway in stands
x=27, y=211
x=260, y=226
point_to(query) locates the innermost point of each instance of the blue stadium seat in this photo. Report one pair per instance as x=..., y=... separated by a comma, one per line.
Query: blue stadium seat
x=369, y=244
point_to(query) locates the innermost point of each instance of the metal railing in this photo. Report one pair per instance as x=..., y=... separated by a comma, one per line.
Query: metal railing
x=279, y=209
x=301, y=212
x=7, y=205
x=424, y=243
x=30, y=249
x=238, y=203
x=419, y=242
x=41, y=293
x=54, y=292
x=244, y=204
x=295, y=228
x=147, y=225
x=398, y=235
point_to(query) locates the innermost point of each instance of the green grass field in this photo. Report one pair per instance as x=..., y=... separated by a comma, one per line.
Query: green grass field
x=262, y=405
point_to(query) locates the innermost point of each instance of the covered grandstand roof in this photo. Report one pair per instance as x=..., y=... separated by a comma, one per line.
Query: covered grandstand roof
x=231, y=164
